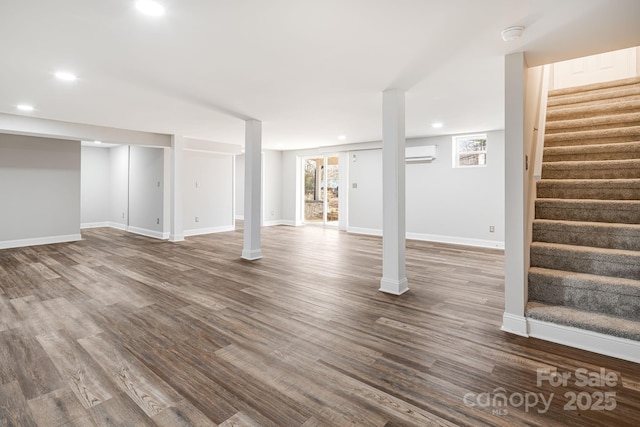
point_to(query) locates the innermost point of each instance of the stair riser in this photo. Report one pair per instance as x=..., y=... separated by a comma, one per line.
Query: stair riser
x=605, y=237
x=604, y=302
x=556, y=140
x=585, y=173
x=571, y=213
x=603, y=265
x=592, y=111
x=592, y=190
x=611, y=121
x=555, y=103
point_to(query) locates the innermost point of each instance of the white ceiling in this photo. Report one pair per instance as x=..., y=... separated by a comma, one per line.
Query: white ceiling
x=309, y=70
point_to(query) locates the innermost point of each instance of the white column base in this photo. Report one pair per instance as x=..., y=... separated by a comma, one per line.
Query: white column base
x=176, y=237
x=394, y=287
x=515, y=324
x=251, y=255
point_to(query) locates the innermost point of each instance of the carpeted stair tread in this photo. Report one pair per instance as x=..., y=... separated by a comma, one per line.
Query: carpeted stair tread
x=614, y=151
x=600, y=189
x=593, y=123
x=582, y=259
x=576, y=112
x=592, y=234
x=581, y=319
x=609, y=295
x=592, y=169
x=618, y=211
x=596, y=136
x=625, y=93
x=594, y=86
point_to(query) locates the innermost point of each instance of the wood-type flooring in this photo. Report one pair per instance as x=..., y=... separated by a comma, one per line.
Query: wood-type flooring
x=123, y=330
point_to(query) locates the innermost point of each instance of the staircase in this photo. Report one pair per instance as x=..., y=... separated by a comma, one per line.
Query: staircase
x=585, y=254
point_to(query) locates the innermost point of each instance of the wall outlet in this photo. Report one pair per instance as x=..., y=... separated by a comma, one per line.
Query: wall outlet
x=273, y=213
x=197, y=219
x=197, y=185
x=157, y=220
x=122, y=215
x=491, y=229
x=354, y=185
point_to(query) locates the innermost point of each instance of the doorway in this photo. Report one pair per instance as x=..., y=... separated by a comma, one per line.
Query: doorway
x=321, y=177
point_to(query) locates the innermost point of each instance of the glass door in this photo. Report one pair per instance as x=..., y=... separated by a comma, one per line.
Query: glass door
x=321, y=178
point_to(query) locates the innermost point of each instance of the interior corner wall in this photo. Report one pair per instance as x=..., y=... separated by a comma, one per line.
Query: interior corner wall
x=94, y=184
x=272, y=187
x=119, y=187
x=40, y=188
x=146, y=191
x=239, y=187
x=208, y=192
x=365, y=192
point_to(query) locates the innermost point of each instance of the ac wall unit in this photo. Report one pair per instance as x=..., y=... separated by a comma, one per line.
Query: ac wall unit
x=422, y=154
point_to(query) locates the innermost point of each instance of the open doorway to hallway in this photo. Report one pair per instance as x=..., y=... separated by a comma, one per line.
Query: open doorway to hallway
x=320, y=185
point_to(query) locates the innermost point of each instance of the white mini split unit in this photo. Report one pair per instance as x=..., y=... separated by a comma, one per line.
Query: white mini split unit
x=423, y=154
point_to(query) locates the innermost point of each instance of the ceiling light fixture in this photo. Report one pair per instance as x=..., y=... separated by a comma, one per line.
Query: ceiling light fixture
x=437, y=125
x=512, y=33
x=25, y=107
x=63, y=75
x=342, y=137
x=97, y=142
x=150, y=7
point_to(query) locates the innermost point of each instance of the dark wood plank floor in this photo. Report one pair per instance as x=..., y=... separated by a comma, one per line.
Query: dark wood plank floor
x=120, y=329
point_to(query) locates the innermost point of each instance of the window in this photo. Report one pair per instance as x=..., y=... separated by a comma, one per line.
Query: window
x=469, y=151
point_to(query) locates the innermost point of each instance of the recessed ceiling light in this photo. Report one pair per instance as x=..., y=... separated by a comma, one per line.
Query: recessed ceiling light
x=25, y=107
x=512, y=33
x=97, y=142
x=436, y=125
x=63, y=75
x=150, y=7
x=342, y=137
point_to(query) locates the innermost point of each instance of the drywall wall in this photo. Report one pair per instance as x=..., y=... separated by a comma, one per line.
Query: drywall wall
x=146, y=191
x=365, y=191
x=119, y=187
x=271, y=187
x=457, y=205
x=208, y=192
x=94, y=185
x=239, y=187
x=40, y=188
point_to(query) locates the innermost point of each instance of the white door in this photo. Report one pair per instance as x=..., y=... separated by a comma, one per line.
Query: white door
x=619, y=64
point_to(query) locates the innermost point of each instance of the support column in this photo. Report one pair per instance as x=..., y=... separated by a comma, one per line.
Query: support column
x=252, y=189
x=177, y=170
x=394, y=279
x=515, y=291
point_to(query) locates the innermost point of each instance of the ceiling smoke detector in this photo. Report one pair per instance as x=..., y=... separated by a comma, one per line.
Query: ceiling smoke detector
x=512, y=33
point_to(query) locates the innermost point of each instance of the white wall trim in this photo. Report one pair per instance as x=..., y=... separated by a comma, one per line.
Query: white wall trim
x=85, y=225
x=514, y=324
x=7, y=244
x=368, y=231
x=621, y=348
x=495, y=244
x=117, y=225
x=208, y=230
x=148, y=233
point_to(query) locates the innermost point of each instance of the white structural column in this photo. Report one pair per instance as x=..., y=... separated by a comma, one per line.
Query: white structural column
x=394, y=279
x=177, y=170
x=252, y=189
x=515, y=292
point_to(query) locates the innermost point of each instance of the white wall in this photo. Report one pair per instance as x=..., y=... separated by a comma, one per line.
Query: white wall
x=272, y=187
x=94, y=199
x=457, y=205
x=239, y=186
x=40, y=190
x=146, y=191
x=365, y=200
x=119, y=186
x=208, y=192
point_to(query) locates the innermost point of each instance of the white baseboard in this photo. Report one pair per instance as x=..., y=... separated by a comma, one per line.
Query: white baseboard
x=39, y=241
x=148, y=233
x=208, y=230
x=368, y=231
x=239, y=217
x=454, y=240
x=596, y=342
x=117, y=226
x=85, y=225
x=514, y=324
